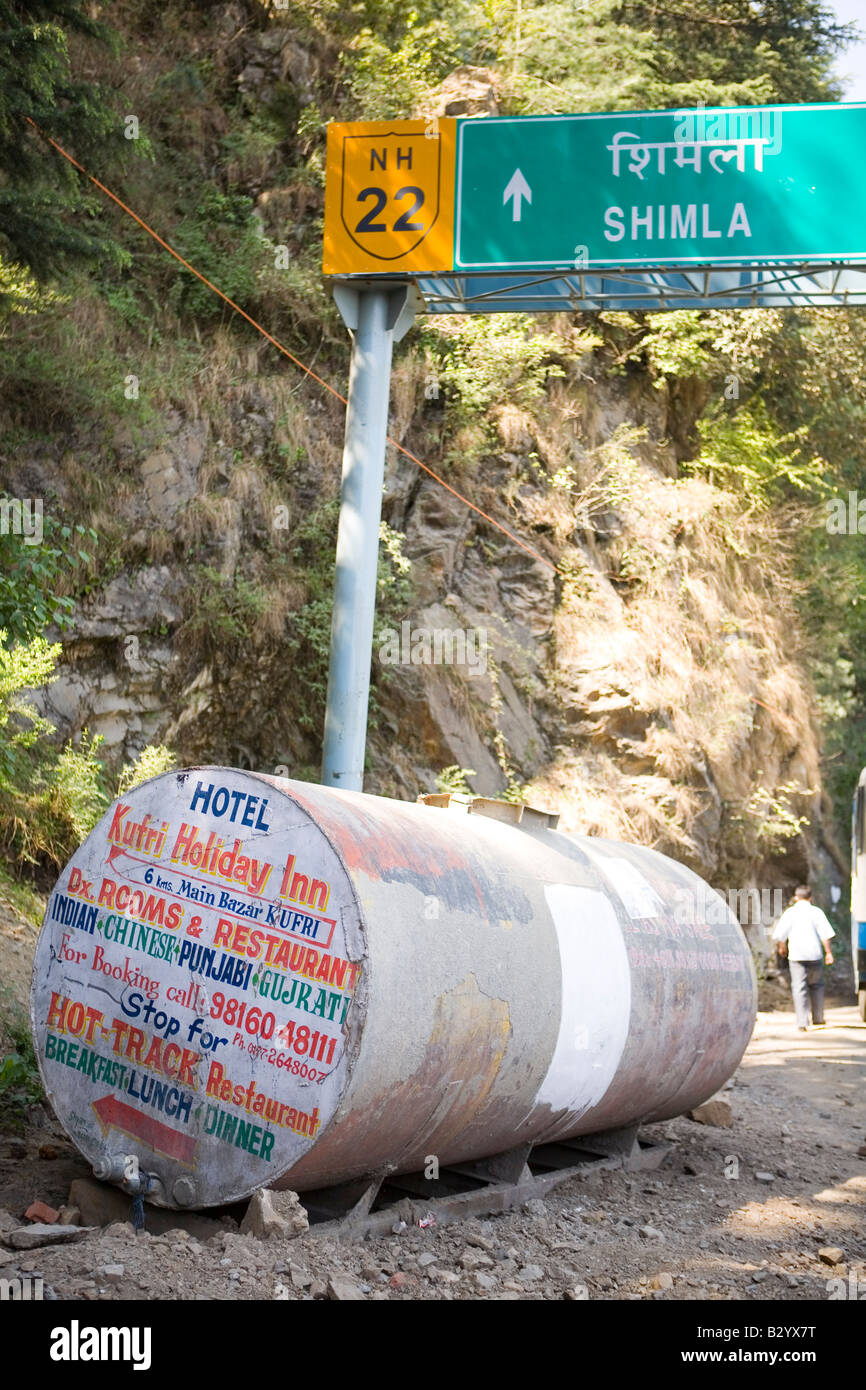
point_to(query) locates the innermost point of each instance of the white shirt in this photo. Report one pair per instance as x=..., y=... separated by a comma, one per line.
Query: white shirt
x=805, y=928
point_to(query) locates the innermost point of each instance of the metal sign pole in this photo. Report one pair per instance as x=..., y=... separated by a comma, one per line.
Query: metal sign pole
x=378, y=316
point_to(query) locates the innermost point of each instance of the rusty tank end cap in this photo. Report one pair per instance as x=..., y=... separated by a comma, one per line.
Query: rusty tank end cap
x=512, y=813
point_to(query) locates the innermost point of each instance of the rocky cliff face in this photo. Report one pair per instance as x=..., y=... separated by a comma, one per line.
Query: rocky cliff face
x=649, y=690
x=647, y=693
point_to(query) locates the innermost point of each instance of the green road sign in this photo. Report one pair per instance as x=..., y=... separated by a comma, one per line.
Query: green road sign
x=726, y=185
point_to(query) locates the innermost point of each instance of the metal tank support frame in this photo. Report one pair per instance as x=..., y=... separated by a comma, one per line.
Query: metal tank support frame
x=494, y=1184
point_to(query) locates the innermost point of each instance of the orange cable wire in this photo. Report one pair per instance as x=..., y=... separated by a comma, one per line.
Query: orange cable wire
x=278, y=345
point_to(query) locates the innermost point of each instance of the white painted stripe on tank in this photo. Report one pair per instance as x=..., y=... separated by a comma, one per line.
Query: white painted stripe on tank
x=638, y=896
x=596, y=999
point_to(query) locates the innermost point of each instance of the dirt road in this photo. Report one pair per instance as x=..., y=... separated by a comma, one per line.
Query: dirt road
x=705, y=1225
x=736, y=1213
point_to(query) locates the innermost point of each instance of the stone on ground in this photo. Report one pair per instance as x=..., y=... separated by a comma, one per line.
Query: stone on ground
x=715, y=1111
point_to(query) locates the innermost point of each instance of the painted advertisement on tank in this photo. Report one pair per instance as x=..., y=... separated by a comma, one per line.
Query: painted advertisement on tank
x=192, y=985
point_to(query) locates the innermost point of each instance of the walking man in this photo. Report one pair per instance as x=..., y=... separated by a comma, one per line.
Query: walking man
x=804, y=935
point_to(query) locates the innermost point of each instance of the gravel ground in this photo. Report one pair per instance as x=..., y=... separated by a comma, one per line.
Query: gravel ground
x=703, y=1226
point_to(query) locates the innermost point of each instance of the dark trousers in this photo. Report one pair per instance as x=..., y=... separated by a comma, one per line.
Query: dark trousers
x=807, y=987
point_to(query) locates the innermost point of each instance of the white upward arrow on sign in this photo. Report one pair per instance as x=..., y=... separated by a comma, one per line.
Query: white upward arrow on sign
x=518, y=189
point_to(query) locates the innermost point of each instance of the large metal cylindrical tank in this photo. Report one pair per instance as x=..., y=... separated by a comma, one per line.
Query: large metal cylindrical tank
x=245, y=981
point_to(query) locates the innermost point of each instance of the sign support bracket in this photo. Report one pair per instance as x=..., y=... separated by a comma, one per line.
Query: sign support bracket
x=377, y=315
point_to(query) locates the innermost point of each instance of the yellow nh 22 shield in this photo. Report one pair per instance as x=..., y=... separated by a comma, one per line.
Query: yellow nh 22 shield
x=389, y=198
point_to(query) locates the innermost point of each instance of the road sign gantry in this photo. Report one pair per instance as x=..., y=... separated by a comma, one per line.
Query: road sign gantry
x=708, y=207
x=722, y=206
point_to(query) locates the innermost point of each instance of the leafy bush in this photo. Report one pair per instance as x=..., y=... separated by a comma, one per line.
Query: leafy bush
x=30, y=575
x=484, y=360
x=310, y=642
x=679, y=344
x=74, y=795
x=50, y=798
x=20, y=1083
x=222, y=239
x=224, y=609
x=391, y=81
x=151, y=761
x=746, y=451
x=21, y=667
x=453, y=779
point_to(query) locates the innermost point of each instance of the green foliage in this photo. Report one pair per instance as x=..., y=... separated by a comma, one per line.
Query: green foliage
x=308, y=645
x=768, y=817
x=679, y=343
x=151, y=762
x=223, y=240
x=22, y=667
x=20, y=291
x=72, y=798
x=606, y=55
x=393, y=584
x=482, y=360
x=737, y=52
x=20, y=1083
x=46, y=215
x=44, y=391
x=252, y=146
x=30, y=574
x=389, y=82
x=224, y=609
x=310, y=627
x=59, y=805
x=602, y=55
x=745, y=450
x=453, y=780
x=50, y=799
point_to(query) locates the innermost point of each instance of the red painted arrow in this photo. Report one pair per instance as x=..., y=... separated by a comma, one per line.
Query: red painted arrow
x=116, y=1114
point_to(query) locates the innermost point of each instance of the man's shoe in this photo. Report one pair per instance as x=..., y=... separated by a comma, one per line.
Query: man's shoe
x=801, y=1029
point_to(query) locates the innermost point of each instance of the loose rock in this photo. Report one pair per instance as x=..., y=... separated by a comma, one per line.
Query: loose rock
x=715, y=1111
x=7, y=1222
x=344, y=1289
x=266, y=1217
x=32, y=1237
x=40, y=1211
